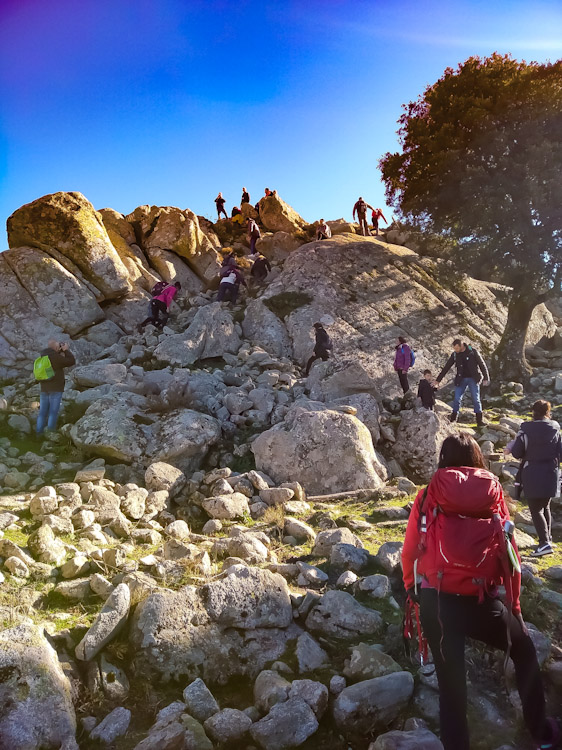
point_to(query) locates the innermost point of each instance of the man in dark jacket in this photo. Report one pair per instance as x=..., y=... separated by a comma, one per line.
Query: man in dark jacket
x=322, y=347
x=261, y=268
x=52, y=389
x=245, y=196
x=539, y=446
x=360, y=208
x=471, y=371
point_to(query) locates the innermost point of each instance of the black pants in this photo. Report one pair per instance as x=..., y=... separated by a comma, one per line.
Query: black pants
x=403, y=378
x=540, y=513
x=318, y=354
x=157, y=308
x=462, y=617
x=221, y=211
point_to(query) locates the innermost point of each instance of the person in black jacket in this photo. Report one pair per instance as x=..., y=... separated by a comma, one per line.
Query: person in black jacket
x=426, y=390
x=471, y=371
x=322, y=346
x=245, y=196
x=220, y=201
x=539, y=446
x=261, y=268
x=52, y=389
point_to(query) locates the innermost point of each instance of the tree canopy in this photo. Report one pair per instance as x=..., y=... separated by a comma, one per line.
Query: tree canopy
x=480, y=162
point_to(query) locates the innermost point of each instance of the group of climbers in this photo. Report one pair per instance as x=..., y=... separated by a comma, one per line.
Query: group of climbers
x=361, y=208
x=236, y=213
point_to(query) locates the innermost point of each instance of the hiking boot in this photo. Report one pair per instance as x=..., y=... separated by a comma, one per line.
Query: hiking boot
x=542, y=549
x=480, y=420
x=454, y=416
x=555, y=736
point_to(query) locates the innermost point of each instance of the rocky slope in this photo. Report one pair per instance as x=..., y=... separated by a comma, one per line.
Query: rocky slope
x=207, y=554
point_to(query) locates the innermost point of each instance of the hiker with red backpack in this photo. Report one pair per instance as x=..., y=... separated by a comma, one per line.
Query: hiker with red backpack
x=160, y=304
x=404, y=359
x=48, y=370
x=458, y=540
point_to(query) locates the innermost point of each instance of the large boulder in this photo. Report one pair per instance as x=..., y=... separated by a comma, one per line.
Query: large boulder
x=229, y=627
x=116, y=426
x=418, y=441
x=68, y=223
x=278, y=246
x=130, y=311
x=35, y=693
x=172, y=268
x=171, y=228
x=23, y=329
x=263, y=328
x=211, y=334
x=278, y=216
x=60, y=297
x=372, y=704
x=123, y=239
x=326, y=451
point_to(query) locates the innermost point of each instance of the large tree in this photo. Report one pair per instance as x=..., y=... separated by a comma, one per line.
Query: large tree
x=481, y=164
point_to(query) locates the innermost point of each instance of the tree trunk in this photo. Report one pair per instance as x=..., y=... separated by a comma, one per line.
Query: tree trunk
x=508, y=362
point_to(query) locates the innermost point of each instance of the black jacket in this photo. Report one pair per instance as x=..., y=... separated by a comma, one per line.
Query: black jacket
x=426, y=392
x=59, y=360
x=323, y=341
x=539, y=446
x=261, y=268
x=469, y=364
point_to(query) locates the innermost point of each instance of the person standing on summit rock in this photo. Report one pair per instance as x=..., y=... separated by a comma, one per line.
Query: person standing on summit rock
x=360, y=208
x=471, y=371
x=51, y=379
x=245, y=196
x=220, y=201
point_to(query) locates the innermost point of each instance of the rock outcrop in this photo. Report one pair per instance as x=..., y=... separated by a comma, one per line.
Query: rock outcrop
x=278, y=216
x=69, y=224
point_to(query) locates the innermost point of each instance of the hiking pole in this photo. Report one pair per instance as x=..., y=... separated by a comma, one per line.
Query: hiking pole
x=508, y=529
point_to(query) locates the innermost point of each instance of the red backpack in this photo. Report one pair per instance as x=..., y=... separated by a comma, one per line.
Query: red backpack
x=454, y=548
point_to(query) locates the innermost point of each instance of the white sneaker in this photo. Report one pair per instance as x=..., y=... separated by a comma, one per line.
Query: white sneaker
x=542, y=549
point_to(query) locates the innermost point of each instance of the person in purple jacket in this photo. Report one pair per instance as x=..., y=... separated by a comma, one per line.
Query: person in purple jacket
x=403, y=362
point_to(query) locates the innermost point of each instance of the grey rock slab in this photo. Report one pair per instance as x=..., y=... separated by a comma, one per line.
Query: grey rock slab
x=417, y=739
x=199, y=700
x=228, y=726
x=107, y=624
x=35, y=693
x=339, y=615
x=114, y=725
x=310, y=655
x=372, y=704
x=270, y=688
x=287, y=725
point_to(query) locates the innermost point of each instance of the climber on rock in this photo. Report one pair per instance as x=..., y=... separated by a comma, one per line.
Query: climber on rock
x=323, y=231
x=245, y=196
x=375, y=216
x=260, y=269
x=360, y=208
x=253, y=235
x=471, y=372
x=159, y=306
x=229, y=286
x=220, y=201
x=322, y=347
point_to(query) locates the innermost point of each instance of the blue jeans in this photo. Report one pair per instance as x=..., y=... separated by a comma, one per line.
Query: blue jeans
x=49, y=406
x=474, y=389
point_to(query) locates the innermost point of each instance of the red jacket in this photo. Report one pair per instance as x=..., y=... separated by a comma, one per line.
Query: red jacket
x=464, y=491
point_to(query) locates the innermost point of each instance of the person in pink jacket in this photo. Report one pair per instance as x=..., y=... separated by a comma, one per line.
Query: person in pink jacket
x=403, y=362
x=159, y=306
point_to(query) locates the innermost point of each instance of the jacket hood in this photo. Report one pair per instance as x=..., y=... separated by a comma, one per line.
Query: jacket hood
x=466, y=490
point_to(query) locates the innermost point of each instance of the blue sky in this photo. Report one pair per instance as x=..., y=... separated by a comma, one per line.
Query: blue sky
x=169, y=101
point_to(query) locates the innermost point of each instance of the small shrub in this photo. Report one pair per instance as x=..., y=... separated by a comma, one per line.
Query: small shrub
x=287, y=302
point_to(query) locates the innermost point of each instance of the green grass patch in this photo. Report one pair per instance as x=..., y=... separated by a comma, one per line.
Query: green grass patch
x=286, y=303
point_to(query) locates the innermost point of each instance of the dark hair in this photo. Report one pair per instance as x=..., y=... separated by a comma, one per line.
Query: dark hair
x=401, y=339
x=427, y=372
x=457, y=342
x=541, y=409
x=177, y=285
x=461, y=450
x=318, y=325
